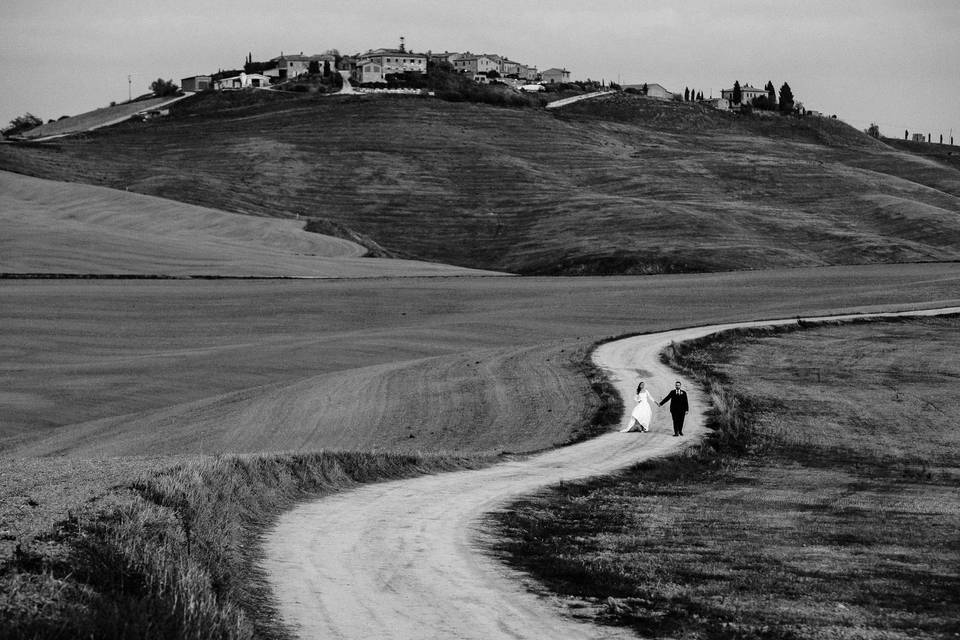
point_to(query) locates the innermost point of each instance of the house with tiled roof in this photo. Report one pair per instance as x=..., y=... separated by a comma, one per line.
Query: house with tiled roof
x=376, y=65
x=446, y=56
x=477, y=65
x=288, y=66
x=509, y=68
x=527, y=72
x=554, y=75
x=747, y=94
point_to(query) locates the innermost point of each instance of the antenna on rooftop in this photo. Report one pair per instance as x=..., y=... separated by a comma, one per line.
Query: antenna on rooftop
x=129, y=88
x=403, y=47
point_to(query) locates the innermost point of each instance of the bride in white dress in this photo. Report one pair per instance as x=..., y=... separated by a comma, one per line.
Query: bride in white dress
x=640, y=418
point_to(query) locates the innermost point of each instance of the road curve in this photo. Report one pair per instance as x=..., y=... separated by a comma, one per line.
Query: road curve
x=403, y=559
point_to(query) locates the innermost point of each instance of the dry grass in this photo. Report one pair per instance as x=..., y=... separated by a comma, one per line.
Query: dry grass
x=829, y=511
x=611, y=186
x=173, y=554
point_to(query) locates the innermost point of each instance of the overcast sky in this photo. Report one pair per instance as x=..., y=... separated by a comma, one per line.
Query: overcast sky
x=885, y=61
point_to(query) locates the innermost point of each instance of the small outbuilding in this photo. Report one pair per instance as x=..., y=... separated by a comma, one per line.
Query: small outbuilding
x=653, y=90
x=196, y=83
x=717, y=103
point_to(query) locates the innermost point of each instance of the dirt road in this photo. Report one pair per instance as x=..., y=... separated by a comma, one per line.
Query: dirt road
x=403, y=560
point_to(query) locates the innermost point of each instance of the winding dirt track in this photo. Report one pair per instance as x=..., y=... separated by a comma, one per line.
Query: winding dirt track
x=403, y=559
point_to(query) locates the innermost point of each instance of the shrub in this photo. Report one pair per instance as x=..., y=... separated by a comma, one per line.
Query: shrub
x=22, y=123
x=162, y=88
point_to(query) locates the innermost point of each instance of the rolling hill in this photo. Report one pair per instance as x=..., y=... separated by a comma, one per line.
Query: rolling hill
x=57, y=229
x=617, y=185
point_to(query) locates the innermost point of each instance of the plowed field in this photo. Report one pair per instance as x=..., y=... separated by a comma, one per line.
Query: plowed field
x=473, y=364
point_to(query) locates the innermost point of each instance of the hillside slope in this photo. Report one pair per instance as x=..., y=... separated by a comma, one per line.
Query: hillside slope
x=56, y=228
x=615, y=185
x=97, y=118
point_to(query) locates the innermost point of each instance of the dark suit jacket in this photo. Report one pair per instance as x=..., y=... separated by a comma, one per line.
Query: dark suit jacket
x=678, y=401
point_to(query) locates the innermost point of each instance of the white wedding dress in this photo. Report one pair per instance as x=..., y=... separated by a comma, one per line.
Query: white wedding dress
x=641, y=413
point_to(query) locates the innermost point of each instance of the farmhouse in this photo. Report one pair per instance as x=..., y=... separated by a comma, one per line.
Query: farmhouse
x=446, y=56
x=509, y=68
x=554, y=75
x=527, y=72
x=196, y=83
x=477, y=66
x=375, y=66
x=288, y=66
x=747, y=94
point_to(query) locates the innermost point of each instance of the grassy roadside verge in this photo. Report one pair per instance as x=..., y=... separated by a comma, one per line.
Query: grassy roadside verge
x=823, y=505
x=173, y=554
x=172, y=549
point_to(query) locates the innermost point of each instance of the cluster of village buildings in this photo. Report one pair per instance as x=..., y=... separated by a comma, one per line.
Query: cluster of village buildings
x=375, y=65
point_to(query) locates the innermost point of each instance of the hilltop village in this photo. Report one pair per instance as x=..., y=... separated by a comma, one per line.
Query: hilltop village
x=376, y=69
x=399, y=69
x=454, y=76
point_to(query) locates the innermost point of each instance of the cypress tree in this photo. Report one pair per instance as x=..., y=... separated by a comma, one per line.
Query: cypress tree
x=786, y=98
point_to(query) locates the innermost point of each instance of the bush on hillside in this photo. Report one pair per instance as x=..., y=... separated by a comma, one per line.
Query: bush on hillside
x=452, y=86
x=763, y=103
x=22, y=123
x=162, y=88
x=406, y=80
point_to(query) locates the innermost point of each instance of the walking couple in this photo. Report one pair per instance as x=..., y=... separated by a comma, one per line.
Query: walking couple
x=642, y=413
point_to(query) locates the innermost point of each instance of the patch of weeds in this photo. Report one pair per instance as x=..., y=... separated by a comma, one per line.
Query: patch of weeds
x=175, y=554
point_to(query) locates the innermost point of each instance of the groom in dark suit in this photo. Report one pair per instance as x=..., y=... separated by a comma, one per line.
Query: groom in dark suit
x=678, y=408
